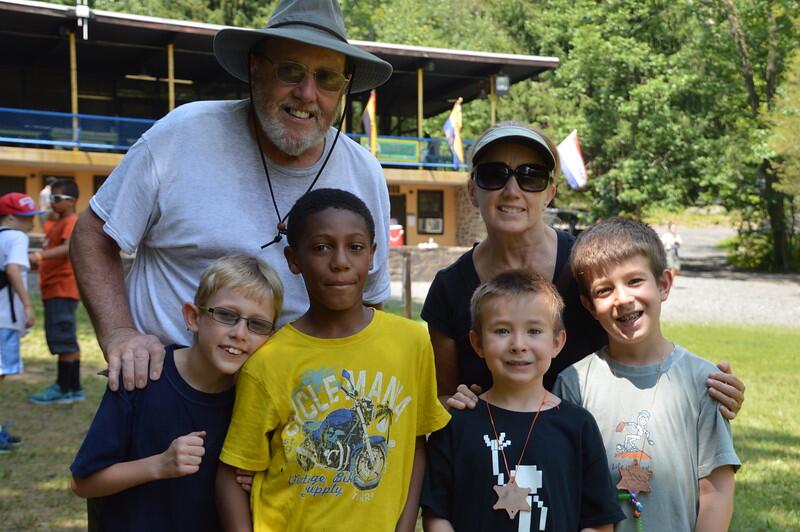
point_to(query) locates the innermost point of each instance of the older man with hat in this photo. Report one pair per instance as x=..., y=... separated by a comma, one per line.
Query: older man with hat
x=219, y=177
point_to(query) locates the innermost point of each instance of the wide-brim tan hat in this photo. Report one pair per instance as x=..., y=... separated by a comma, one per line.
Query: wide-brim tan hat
x=315, y=22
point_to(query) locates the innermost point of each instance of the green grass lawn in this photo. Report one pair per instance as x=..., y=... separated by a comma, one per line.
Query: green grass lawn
x=34, y=487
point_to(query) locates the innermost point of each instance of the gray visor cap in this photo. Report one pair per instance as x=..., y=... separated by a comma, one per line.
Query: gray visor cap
x=516, y=134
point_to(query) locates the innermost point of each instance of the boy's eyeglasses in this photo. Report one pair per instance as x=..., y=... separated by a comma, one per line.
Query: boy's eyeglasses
x=293, y=73
x=230, y=318
x=493, y=176
x=55, y=198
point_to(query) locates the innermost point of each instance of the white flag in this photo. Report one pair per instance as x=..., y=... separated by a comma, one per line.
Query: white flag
x=569, y=154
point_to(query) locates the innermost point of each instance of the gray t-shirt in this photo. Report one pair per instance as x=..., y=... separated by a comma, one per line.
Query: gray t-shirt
x=664, y=419
x=193, y=189
x=13, y=250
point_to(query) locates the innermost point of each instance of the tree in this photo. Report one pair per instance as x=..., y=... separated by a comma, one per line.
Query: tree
x=785, y=123
x=771, y=23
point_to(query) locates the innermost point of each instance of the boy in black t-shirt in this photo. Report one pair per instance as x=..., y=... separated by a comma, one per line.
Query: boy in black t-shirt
x=150, y=456
x=521, y=459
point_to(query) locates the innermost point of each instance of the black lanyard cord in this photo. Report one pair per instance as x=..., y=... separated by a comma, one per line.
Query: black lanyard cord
x=281, y=227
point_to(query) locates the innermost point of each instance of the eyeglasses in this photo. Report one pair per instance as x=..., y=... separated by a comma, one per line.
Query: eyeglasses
x=230, y=318
x=493, y=176
x=55, y=198
x=293, y=73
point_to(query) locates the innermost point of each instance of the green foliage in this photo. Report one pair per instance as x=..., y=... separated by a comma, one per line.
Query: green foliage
x=676, y=103
x=752, y=250
x=785, y=121
x=749, y=251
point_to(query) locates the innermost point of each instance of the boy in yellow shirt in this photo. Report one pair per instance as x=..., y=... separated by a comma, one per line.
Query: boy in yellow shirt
x=332, y=411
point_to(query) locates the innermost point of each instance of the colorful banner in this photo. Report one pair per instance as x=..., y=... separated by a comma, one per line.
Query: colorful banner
x=370, y=123
x=452, y=130
x=569, y=154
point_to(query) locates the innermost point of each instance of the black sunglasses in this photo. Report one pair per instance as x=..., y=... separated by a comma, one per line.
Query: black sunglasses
x=230, y=318
x=293, y=73
x=493, y=176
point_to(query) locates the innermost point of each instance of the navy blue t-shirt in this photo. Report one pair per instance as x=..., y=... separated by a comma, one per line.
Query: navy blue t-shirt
x=133, y=425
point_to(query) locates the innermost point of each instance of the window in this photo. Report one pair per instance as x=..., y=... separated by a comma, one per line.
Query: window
x=98, y=182
x=430, y=212
x=11, y=184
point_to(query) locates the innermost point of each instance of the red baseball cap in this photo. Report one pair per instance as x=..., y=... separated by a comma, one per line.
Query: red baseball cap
x=18, y=204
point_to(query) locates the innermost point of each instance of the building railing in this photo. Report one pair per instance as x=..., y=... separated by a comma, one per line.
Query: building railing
x=65, y=130
x=26, y=127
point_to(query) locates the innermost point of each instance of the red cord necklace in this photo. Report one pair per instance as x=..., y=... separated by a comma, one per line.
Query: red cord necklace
x=511, y=497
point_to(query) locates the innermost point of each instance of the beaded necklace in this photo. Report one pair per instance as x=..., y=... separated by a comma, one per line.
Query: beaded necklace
x=511, y=497
x=634, y=479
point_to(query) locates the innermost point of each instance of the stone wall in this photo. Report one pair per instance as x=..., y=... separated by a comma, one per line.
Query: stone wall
x=469, y=226
x=424, y=262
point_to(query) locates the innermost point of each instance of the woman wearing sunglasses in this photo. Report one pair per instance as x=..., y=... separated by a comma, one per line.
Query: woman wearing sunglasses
x=513, y=179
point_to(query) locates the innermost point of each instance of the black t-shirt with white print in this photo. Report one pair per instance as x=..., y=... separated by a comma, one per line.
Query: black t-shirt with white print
x=564, y=466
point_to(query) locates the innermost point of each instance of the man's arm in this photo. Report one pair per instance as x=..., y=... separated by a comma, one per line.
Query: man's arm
x=408, y=519
x=14, y=274
x=716, y=500
x=182, y=458
x=98, y=271
x=233, y=504
x=727, y=389
x=601, y=528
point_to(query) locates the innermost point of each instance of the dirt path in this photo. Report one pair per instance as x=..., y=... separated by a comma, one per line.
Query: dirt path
x=710, y=291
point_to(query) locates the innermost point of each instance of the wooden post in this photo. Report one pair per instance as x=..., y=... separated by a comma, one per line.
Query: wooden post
x=492, y=102
x=171, y=75
x=73, y=88
x=407, y=283
x=420, y=115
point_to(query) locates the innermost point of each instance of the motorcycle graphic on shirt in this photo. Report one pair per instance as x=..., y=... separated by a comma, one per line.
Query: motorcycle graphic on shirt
x=341, y=441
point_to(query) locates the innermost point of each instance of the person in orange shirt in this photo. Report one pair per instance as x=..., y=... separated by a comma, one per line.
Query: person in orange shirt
x=60, y=296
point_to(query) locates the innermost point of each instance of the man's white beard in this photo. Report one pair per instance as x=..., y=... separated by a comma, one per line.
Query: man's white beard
x=287, y=140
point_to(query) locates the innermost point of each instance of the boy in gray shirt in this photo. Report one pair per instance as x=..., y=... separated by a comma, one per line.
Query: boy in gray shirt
x=669, y=448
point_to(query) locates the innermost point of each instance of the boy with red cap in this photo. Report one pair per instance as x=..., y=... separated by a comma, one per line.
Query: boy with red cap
x=17, y=212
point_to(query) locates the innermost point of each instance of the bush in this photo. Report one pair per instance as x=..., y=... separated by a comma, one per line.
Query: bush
x=750, y=251
x=753, y=250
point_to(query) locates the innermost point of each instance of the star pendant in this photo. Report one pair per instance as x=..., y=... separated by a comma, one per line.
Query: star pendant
x=512, y=498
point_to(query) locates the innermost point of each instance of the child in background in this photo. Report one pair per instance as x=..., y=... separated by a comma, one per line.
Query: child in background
x=668, y=445
x=61, y=298
x=332, y=412
x=16, y=311
x=521, y=459
x=151, y=454
x=672, y=242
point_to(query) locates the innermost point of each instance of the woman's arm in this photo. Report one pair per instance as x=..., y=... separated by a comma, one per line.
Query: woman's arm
x=434, y=523
x=716, y=500
x=408, y=519
x=727, y=389
x=445, y=355
x=233, y=503
x=182, y=458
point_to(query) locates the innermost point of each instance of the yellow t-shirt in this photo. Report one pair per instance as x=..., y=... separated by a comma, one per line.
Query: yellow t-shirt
x=330, y=424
